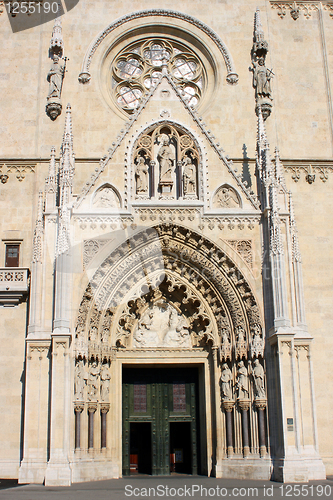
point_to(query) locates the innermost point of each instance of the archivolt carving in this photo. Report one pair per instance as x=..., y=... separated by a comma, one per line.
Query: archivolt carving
x=85, y=76
x=187, y=271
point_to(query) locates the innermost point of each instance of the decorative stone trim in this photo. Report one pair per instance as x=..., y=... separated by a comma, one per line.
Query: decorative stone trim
x=19, y=168
x=309, y=170
x=244, y=249
x=14, y=285
x=306, y=6
x=85, y=76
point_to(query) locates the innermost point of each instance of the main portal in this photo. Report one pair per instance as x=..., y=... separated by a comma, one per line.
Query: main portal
x=160, y=421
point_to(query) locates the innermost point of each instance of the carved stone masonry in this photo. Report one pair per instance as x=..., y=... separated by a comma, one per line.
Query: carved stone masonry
x=261, y=75
x=57, y=72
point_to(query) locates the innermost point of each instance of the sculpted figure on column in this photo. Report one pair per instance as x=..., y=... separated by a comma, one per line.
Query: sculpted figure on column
x=226, y=382
x=93, y=382
x=141, y=176
x=55, y=78
x=242, y=381
x=80, y=380
x=105, y=383
x=166, y=158
x=259, y=380
x=189, y=177
x=261, y=78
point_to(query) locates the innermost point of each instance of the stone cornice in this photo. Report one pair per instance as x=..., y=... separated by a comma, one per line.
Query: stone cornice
x=305, y=6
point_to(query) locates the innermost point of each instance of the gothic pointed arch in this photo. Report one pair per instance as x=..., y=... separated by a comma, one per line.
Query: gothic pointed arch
x=170, y=266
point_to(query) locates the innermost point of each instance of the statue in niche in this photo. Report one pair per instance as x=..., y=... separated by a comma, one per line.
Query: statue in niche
x=262, y=78
x=257, y=344
x=226, y=382
x=55, y=78
x=242, y=381
x=189, y=177
x=226, y=198
x=80, y=380
x=106, y=198
x=93, y=382
x=166, y=159
x=259, y=380
x=226, y=348
x=141, y=176
x=93, y=332
x=105, y=383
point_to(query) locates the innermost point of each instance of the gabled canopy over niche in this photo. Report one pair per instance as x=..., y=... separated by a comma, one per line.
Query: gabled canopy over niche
x=166, y=164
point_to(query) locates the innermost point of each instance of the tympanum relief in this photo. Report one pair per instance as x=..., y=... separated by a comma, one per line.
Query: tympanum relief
x=106, y=198
x=162, y=326
x=226, y=197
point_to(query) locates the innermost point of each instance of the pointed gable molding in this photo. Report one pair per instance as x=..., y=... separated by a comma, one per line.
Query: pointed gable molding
x=202, y=126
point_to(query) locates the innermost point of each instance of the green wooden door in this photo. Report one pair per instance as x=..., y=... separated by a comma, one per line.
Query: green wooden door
x=165, y=398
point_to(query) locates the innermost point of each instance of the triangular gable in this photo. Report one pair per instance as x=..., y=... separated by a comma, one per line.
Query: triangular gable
x=153, y=95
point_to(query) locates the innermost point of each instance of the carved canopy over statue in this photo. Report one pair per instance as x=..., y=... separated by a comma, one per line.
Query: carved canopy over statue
x=165, y=164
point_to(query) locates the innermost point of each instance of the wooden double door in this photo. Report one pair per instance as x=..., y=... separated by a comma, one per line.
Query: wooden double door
x=160, y=421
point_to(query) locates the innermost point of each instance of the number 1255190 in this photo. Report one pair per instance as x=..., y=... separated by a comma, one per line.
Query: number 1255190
x=15, y=8
x=305, y=490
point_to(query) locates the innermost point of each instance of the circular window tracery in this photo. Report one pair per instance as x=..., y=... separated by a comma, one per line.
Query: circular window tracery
x=138, y=67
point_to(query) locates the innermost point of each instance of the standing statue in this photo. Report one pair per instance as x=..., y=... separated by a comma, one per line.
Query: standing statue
x=80, y=379
x=105, y=383
x=55, y=78
x=93, y=382
x=141, y=176
x=242, y=381
x=226, y=381
x=189, y=177
x=166, y=158
x=261, y=78
x=259, y=380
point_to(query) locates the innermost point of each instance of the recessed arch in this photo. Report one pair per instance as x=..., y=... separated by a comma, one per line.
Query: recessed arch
x=85, y=76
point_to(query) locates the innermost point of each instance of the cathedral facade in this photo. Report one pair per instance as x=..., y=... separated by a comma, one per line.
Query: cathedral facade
x=166, y=286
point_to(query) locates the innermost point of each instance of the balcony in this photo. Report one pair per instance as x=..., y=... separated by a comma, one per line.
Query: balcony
x=14, y=285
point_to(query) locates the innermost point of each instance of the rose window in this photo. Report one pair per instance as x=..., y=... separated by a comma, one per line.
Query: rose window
x=138, y=68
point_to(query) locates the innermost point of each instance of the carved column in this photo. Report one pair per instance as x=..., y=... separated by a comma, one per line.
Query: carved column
x=152, y=178
x=261, y=405
x=91, y=411
x=104, y=410
x=78, y=409
x=245, y=406
x=218, y=415
x=228, y=407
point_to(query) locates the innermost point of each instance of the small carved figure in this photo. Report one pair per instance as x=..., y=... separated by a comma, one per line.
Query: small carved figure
x=105, y=383
x=226, y=198
x=80, y=380
x=262, y=78
x=93, y=382
x=225, y=337
x=242, y=381
x=189, y=177
x=106, y=198
x=166, y=158
x=55, y=78
x=259, y=380
x=141, y=176
x=240, y=335
x=226, y=382
x=93, y=333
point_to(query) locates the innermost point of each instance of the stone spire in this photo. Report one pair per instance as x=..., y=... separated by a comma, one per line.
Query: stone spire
x=51, y=184
x=39, y=230
x=56, y=42
x=66, y=173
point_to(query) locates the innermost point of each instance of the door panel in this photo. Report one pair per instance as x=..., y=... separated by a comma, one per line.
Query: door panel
x=161, y=397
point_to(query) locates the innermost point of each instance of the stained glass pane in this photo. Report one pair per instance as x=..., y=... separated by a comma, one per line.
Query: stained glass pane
x=130, y=68
x=129, y=97
x=140, y=398
x=179, y=398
